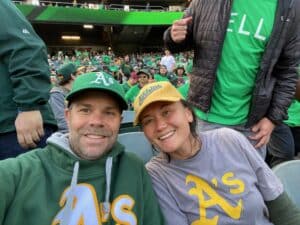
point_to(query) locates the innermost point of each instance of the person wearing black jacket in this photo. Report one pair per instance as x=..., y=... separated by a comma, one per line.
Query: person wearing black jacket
x=246, y=54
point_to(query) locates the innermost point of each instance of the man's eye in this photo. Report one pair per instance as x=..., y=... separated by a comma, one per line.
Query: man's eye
x=84, y=110
x=110, y=113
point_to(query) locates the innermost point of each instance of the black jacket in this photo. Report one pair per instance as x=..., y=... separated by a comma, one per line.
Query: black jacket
x=276, y=78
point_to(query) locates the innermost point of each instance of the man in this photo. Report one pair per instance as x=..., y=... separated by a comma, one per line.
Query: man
x=133, y=79
x=65, y=76
x=83, y=177
x=25, y=116
x=143, y=79
x=246, y=53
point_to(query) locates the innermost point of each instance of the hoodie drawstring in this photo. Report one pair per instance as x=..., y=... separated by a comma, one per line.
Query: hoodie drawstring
x=106, y=205
x=68, y=208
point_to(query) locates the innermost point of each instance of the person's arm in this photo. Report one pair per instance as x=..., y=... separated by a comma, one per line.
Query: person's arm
x=25, y=55
x=179, y=37
x=285, y=71
x=283, y=211
x=9, y=178
x=57, y=103
x=297, y=94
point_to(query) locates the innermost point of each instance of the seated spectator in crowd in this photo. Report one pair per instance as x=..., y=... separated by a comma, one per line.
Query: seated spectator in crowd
x=164, y=75
x=84, y=177
x=143, y=79
x=180, y=75
x=133, y=79
x=126, y=67
x=65, y=77
x=216, y=177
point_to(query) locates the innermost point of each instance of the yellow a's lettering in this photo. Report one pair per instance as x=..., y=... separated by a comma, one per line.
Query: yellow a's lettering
x=240, y=186
x=201, y=187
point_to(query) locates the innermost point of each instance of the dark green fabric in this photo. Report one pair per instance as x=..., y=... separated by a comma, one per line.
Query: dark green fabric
x=24, y=69
x=283, y=211
x=33, y=186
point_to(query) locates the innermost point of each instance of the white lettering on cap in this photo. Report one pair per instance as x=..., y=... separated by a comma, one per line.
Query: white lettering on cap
x=101, y=79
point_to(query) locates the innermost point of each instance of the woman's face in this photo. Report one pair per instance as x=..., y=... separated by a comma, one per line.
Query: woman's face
x=166, y=125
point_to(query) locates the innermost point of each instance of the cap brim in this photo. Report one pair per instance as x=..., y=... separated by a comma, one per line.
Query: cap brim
x=119, y=98
x=162, y=99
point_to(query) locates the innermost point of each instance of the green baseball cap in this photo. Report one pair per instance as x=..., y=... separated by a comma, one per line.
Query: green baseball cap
x=65, y=71
x=98, y=81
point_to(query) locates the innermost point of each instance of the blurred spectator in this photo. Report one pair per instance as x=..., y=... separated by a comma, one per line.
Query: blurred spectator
x=133, y=79
x=168, y=60
x=143, y=79
x=65, y=77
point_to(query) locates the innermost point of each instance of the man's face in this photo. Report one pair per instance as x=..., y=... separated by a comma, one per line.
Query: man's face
x=143, y=79
x=94, y=121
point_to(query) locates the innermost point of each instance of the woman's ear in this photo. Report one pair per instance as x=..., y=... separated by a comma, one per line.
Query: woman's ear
x=189, y=115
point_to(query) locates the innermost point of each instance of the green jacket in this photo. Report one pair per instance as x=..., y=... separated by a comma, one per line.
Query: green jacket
x=36, y=188
x=25, y=75
x=132, y=93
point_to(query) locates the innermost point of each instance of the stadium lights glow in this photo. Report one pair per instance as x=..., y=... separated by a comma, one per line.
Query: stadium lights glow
x=88, y=26
x=70, y=37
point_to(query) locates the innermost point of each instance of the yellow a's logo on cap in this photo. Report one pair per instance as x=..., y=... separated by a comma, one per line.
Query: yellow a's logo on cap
x=147, y=92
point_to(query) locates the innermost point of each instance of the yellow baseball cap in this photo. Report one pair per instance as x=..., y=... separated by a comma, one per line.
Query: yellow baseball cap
x=154, y=92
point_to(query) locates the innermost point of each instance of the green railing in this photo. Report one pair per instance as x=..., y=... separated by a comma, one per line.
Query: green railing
x=58, y=14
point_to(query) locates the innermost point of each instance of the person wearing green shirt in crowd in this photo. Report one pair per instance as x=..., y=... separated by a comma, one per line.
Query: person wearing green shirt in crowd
x=164, y=75
x=245, y=59
x=133, y=79
x=26, y=118
x=85, y=176
x=143, y=79
x=126, y=67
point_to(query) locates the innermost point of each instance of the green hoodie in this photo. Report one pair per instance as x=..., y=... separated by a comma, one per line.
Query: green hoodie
x=52, y=186
x=24, y=70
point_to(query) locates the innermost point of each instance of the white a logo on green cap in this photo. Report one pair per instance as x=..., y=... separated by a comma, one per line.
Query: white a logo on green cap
x=101, y=79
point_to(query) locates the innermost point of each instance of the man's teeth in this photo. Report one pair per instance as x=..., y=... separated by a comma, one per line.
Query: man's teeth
x=94, y=136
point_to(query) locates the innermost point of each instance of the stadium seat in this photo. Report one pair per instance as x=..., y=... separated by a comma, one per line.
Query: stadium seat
x=137, y=143
x=288, y=173
x=128, y=116
x=127, y=123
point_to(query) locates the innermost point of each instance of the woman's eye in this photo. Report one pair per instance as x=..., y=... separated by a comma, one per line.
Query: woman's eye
x=146, y=122
x=166, y=112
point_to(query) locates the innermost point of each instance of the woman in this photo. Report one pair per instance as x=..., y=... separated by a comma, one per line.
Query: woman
x=214, y=178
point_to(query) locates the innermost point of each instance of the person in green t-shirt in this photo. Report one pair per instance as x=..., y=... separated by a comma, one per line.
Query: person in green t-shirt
x=143, y=79
x=245, y=60
x=85, y=176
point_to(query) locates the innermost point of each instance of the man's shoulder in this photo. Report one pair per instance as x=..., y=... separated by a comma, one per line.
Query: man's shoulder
x=28, y=160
